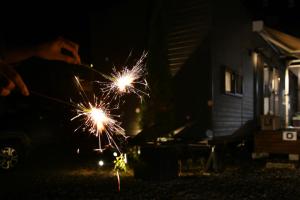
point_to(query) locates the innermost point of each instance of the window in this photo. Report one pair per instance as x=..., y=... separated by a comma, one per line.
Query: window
x=233, y=83
x=228, y=82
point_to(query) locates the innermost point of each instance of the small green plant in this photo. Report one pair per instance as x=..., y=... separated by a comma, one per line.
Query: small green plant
x=120, y=166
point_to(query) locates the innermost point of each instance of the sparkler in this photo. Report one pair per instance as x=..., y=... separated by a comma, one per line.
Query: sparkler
x=128, y=80
x=96, y=115
x=98, y=120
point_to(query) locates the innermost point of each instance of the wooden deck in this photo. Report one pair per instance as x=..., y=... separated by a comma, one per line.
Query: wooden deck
x=273, y=142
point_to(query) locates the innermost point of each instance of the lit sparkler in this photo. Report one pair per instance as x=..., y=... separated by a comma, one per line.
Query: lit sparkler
x=128, y=80
x=98, y=120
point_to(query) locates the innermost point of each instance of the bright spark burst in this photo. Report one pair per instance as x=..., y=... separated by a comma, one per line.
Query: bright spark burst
x=97, y=119
x=124, y=81
x=128, y=80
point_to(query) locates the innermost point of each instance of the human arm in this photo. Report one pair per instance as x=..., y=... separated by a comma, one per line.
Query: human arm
x=50, y=50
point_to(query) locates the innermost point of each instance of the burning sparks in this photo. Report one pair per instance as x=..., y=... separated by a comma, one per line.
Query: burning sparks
x=98, y=117
x=95, y=115
x=98, y=120
x=127, y=80
x=124, y=81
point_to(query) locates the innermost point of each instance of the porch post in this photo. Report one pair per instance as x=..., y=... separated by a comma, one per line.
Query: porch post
x=286, y=95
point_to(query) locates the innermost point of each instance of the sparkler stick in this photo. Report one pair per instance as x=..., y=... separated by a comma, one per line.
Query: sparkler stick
x=94, y=70
x=119, y=182
x=51, y=98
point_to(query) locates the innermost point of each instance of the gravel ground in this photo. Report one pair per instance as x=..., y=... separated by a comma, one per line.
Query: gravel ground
x=84, y=180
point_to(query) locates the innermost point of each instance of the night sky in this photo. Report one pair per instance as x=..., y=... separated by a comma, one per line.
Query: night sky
x=113, y=29
x=282, y=14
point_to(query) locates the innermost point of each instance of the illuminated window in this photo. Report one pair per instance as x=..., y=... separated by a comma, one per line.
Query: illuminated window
x=233, y=83
x=228, y=80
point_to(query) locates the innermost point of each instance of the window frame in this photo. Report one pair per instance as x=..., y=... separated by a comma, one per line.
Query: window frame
x=236, y=83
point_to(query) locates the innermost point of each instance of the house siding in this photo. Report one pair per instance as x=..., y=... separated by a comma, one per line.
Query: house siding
x=188, y=24
x=188, y=50
x=230, y=48
x=197, y=39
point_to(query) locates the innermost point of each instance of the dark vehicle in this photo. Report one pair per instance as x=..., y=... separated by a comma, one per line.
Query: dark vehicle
x=38, y=127
x=12, y=148
x=28, y=128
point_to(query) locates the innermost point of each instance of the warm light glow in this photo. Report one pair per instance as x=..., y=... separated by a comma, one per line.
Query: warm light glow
x=101, y=163
x=255, y=59
x=286, y=95
x=178, y=130
x=137, y=110
x=115, y=154
x=228, y=82
x=124, y=82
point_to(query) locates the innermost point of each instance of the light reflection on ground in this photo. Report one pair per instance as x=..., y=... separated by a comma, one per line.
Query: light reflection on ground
x=101, y=172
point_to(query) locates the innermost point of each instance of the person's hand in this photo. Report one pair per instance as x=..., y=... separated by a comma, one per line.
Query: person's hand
x=53, y=50
x=13, y=79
